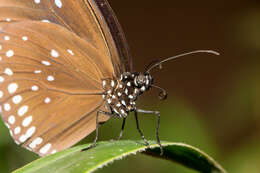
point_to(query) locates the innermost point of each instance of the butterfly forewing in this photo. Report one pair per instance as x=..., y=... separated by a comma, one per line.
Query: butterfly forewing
x=48, y=88
x=53, y=57
x=74, y=15
x=92, y=20
x=115, y=37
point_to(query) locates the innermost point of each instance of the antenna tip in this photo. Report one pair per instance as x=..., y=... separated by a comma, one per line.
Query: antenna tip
x=212, y=52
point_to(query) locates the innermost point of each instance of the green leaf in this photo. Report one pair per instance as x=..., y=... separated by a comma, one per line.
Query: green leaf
x=74, y=160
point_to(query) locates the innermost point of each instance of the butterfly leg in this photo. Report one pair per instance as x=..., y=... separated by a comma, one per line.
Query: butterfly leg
x=122, y=129
x=98, y=125
x=157, y=113
x=139, y=130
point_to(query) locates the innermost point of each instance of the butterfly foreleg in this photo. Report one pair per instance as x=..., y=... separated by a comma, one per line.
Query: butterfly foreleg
x=157, y=113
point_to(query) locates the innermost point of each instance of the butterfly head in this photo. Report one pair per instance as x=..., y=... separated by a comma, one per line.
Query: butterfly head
x=143, y=81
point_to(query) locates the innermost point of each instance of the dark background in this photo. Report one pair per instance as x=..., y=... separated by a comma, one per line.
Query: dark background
x=213, y=101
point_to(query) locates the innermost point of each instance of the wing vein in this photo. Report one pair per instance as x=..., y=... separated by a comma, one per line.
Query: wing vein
x=61, y=71
x=57, y=90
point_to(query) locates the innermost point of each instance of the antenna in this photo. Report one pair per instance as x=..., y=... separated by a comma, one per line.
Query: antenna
x=181, y=55
x=162, y=94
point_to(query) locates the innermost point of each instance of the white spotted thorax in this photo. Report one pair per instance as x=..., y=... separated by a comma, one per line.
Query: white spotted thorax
x=120, y=95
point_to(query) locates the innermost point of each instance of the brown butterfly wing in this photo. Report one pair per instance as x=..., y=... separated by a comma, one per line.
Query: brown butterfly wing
x=92, y=20
x=120, y=54
x=50, y=85
x=49, y=91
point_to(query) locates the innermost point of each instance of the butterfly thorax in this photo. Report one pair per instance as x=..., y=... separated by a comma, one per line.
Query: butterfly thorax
x=121, y=94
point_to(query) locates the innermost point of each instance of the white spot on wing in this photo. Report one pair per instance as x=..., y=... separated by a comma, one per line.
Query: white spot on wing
x=50, y=78
x=11, y=119
x=45, y=21
x=7, y=107
x=70, y=52
x=17, y=99
x=30, y=132
x=47, y=100
x=45, y=148
x=6, y=38
x=36, y=142
x=27, y=121
x=12, y=88
x=47, y=63
x=35, y=88
x=8, y=71
x=54, y=53
x=9, y=53
x=17, y=130
x=37, y=71
x=22, y=110
x=37, y=1
x=25, y=38
x=23, y=138
x=58, y=3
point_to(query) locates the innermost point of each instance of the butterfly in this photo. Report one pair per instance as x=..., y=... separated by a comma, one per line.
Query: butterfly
x=66, y=69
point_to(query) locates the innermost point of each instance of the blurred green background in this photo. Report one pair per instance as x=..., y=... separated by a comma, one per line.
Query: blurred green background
x=213, y=101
